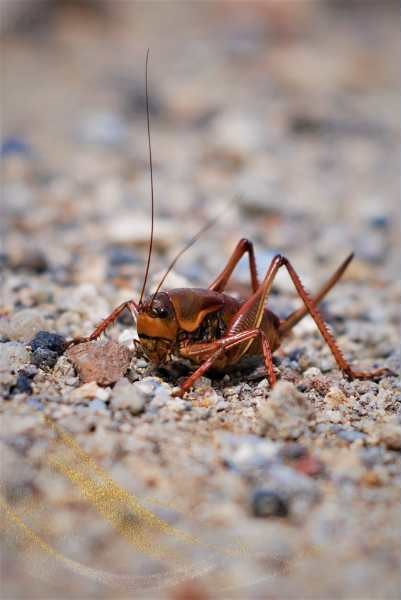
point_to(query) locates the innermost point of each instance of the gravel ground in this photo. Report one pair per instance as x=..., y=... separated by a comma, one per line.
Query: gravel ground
x=285, y=117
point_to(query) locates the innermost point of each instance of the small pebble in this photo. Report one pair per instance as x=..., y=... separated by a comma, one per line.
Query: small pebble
x=23, y=325
x=286, y=412
x=160, y=398
x=312, y=372
x=102, y=362
x=268, y=503
x=128, y=396
x=49, y=341
x=148, y=386
x=44, y=358
x=244, y=452
x=309, y=465
x=23, y=385
x=335, y=398
x=221, y=405
x=13, y=356
x=88, y=391
x=179, y=405
x=97, y=406
x=293, y=450
x=30, y=371
x=350, y=435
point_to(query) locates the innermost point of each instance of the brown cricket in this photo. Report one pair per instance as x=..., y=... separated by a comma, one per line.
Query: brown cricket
x=212, y=328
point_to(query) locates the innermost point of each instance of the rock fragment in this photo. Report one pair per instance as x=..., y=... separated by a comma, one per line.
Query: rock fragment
x=103, y=362
x=23, y=385
x=44, y=358
x=268, y=503
x=335, y=398
x=286, y=412
x=129, y=396
x=246, y=452
x=50, y=341
x=13, y=356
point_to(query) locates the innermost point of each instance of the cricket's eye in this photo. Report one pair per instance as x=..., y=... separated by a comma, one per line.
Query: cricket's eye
x=160, y=312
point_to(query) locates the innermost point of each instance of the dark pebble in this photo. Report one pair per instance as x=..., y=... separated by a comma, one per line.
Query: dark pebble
x=295, y=355
x=29, y=371
x=48, y=341
x=268, y=503
x=23, y=385
x=42, y=357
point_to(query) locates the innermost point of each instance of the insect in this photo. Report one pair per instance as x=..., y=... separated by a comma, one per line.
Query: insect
x=212, y=328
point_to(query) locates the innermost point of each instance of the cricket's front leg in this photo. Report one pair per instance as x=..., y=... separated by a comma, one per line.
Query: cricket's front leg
x=101, y=328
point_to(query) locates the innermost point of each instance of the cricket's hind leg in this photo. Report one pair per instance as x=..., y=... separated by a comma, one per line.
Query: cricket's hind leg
x=312, y=309
x=101, y=328
x=241, y=248
x=297, y=315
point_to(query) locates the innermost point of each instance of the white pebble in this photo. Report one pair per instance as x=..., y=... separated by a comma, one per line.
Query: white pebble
x=128, y=396
x=13, y=356
x=23, y=325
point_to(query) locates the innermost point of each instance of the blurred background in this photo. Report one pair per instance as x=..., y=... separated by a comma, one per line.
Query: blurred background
x=287, y=111
x=284, y=115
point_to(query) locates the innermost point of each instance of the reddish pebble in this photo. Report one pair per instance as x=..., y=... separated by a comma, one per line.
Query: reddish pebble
x=103, y=362
x=308, y=465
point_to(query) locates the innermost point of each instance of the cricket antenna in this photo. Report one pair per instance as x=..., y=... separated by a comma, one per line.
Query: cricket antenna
x=151, y=180
x=188, y=245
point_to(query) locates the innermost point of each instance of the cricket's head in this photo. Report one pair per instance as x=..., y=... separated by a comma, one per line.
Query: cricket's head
x=157, y=327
